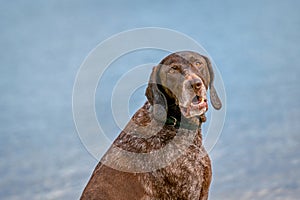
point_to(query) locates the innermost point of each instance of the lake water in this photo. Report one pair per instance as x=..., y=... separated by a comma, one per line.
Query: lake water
x=255, y=45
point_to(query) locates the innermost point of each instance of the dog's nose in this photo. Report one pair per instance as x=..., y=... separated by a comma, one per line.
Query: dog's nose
x=196, y=84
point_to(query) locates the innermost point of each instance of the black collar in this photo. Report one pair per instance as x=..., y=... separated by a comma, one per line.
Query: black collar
x=182, y=123
x=177, y=120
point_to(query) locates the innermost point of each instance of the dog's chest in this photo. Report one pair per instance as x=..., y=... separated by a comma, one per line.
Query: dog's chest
x=182, y=179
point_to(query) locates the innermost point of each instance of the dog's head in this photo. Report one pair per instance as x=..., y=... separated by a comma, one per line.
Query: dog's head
x=183, y=79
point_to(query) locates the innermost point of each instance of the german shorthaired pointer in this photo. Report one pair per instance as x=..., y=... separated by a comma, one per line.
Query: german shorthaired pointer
x=159, y=154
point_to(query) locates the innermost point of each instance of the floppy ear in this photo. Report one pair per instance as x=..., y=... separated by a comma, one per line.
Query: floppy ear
x=214, y=98
x=155, y=96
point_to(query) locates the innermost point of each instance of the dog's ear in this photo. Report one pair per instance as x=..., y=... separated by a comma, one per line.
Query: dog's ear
x=214, y=98
x=155, y=97
x=153, y=93
x=152, y=89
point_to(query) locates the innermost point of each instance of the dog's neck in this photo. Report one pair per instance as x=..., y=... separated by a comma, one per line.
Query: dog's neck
x=145, y=130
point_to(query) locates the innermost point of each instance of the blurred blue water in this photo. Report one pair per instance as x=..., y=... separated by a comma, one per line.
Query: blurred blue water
x=255, y=45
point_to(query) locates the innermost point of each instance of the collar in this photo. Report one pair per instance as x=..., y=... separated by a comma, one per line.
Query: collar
x=183, y=123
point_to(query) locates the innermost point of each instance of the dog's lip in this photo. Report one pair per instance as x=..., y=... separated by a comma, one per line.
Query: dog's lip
x=198, y=103
x=195, y=102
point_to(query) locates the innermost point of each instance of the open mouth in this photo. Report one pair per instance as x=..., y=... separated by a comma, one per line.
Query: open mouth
x=198, y=100
x=197, y=107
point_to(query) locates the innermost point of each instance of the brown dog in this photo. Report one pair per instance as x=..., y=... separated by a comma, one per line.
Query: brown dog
x=159, y=154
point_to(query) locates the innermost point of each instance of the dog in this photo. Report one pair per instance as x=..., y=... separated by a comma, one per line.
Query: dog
x=159, y=154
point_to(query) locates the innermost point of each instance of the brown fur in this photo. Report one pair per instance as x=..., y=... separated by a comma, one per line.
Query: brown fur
x=117, y=175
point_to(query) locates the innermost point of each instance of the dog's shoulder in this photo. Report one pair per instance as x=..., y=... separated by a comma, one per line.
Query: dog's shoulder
x=143, y=116
x=108, y=183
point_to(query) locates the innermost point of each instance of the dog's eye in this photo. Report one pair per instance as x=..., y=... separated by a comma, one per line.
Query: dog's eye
x=198, y=64
x=173, y=69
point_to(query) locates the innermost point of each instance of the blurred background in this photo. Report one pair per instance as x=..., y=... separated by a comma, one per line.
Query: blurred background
x=255, y=44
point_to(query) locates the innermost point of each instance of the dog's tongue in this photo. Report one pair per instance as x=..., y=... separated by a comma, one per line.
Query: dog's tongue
x=196, y=100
